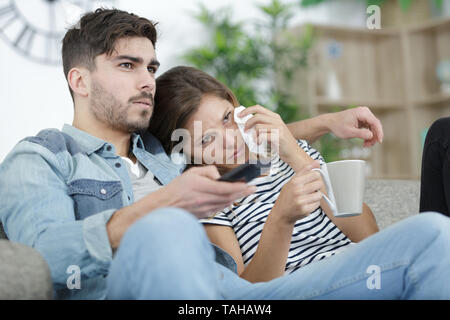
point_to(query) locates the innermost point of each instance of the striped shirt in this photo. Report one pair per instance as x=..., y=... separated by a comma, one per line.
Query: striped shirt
x=315, y=237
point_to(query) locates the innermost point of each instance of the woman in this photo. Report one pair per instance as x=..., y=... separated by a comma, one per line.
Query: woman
x=435, y=182
x=267, y=233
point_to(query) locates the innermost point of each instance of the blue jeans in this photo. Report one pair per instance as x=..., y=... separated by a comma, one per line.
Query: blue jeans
x=167, y=255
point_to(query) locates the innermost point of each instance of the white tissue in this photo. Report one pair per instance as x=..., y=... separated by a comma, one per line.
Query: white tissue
x=248, y=136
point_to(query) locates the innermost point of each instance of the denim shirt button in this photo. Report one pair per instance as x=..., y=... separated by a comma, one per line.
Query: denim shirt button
x=118, y=165
x=108, y=148
x=103, y=191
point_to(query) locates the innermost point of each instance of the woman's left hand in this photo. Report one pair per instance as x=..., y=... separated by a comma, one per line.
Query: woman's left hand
x=266, y=124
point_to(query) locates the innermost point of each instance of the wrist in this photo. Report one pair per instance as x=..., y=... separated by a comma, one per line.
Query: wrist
x=123, y=218
x=297, y=158
x=163, y=197
x=325, y=123
x=116, y=227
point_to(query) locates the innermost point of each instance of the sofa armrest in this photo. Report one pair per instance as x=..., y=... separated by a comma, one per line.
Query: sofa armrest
x=24, y=274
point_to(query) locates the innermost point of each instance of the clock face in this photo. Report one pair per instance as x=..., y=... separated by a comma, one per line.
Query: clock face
x=35, y=28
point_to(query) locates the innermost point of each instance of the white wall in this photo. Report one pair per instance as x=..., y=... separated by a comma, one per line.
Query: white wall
x=35, y=96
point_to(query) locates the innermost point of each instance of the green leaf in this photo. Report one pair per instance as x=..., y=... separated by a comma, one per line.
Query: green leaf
x=439, y=4
x=375, y=2
x=405, y=4
x=308, y=3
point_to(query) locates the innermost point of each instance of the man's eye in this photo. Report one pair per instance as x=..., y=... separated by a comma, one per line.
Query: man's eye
x=126, y=65
x=152, y=70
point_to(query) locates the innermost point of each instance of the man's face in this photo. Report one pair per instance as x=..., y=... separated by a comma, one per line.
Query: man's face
x=122, y=86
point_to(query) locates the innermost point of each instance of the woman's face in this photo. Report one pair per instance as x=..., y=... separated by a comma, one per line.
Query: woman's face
x=214, y=136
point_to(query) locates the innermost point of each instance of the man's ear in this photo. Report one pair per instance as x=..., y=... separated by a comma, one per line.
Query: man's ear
x=78, y=79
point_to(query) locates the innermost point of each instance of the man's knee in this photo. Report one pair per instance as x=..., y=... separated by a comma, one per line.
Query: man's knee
x=165, y=229
x=432, y=223
x=168, y=218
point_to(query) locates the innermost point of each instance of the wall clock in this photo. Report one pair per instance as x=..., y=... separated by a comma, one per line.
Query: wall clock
x=35, y=28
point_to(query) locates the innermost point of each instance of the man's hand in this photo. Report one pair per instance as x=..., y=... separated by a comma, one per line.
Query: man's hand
x=198, y=192
x=357, y=122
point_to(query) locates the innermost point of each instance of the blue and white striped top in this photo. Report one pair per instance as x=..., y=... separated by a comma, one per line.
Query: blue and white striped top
x=314, y=237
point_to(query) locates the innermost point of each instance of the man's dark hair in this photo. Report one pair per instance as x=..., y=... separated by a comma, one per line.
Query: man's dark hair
x=96, y=34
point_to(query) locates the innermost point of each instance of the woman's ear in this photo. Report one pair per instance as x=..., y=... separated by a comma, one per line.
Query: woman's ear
x=78, y=79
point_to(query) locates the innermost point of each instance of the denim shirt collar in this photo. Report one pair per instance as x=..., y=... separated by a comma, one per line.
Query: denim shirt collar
x=88, y=143
x=147, y=149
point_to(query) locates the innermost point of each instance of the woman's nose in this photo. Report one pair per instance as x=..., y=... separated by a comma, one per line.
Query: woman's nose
x=231, y=138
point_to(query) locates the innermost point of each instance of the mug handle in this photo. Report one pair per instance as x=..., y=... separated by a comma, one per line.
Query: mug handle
x=331, y=201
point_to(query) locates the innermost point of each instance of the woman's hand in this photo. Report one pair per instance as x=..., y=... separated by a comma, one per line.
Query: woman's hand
x=300, y=196
x=269, y=126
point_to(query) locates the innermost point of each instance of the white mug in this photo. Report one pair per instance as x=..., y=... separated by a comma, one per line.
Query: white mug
x=344, y=181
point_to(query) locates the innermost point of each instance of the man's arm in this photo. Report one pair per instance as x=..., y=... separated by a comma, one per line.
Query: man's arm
x=195, y=191
x=357, y=122
x=37, y=210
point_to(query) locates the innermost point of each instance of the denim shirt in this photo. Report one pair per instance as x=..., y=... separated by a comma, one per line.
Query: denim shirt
x=58, y=190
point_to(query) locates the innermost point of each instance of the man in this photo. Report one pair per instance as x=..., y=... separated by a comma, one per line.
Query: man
x=69, y=193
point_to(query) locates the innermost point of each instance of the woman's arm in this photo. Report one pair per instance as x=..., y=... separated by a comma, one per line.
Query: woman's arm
x=296, y=200
x=271, y=254
x=356, y=228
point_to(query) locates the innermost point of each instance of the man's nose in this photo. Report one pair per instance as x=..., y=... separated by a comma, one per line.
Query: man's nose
x=146, y=81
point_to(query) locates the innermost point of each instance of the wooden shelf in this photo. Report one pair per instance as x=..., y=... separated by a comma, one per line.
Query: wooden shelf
x=393, y=72
x=334, y=29
x=433, y=99
x=429, y=26
x=324, y=102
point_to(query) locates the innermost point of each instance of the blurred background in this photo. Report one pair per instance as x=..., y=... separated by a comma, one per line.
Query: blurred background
x=299, y=58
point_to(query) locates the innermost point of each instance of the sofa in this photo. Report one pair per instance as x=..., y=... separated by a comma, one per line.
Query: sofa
x=25, y=275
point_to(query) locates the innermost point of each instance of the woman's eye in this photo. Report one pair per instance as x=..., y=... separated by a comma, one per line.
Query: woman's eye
x=227, y=117
x=206, y=140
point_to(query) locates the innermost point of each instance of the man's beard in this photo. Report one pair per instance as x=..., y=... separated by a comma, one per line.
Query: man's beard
x=107, y=109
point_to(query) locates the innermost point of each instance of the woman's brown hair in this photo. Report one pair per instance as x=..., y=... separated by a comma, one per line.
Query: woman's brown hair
x=178, y=95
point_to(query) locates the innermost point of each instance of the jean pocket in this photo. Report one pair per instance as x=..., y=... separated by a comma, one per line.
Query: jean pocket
x=93, y=196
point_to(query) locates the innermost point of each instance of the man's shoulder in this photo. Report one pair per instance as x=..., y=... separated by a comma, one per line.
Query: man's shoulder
x=50, y=147
x=55, y=141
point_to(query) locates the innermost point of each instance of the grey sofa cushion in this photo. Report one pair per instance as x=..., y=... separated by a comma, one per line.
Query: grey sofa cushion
x=23, y=273
x=392, y=200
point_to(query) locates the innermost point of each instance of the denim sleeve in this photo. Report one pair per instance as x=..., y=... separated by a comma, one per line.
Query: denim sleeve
x=36, y=210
